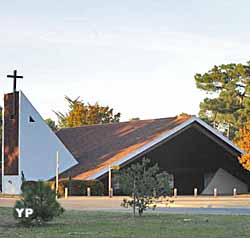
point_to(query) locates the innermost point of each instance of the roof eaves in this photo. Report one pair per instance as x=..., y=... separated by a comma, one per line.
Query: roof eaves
x=143, y=148
x=163, y=137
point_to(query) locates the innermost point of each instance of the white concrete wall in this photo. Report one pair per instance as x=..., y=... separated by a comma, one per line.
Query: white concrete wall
x=225, y=183
x=207, y=178
x=38, y=146
x=11, y=184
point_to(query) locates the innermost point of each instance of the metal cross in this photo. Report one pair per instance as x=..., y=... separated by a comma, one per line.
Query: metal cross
x=15, y=77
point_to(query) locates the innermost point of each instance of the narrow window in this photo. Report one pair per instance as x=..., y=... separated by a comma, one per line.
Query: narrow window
x=31, y=119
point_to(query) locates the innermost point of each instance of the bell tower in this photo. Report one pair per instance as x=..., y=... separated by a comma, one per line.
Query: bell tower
x=10, y=139
x=29, y=145
x=10, y=153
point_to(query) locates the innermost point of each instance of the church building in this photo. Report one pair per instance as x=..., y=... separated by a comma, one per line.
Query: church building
x=192, y=152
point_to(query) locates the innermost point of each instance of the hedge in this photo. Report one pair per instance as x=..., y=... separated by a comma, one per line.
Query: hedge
x=75, y=187
x=79, y=187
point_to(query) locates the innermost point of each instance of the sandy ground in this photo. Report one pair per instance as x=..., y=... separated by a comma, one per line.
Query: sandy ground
x=78, y=203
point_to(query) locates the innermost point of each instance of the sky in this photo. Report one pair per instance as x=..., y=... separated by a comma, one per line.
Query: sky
x=138, y=57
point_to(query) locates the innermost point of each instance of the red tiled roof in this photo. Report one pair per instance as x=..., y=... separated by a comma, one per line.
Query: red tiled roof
x=96, y=147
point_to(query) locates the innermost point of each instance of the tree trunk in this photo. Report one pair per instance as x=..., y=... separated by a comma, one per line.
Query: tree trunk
x=140, y=212
x=134, y=199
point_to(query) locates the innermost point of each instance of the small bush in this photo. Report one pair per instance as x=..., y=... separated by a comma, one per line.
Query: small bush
x=51, y=184
x=144, y=184
x=97, y=187
x=42, y=199
x=75, y=187
x=79, y=187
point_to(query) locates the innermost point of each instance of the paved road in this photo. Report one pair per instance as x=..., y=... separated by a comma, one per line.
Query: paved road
x=222, y=211
x=113, y=204
x=7, y=202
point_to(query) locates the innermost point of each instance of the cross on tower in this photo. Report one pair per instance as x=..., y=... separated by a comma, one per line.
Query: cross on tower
x=15, y=77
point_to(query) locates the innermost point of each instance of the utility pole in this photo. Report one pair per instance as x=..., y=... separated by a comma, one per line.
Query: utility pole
x=110, y=182
x=57, y=172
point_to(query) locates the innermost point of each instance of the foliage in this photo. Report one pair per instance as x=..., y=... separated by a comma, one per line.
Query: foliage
x=75, y=187
x=143, y=182
x=134, y=119
x=80, y=114
x=184, y=114
x=244, y=143
x=42, y=200
x=79, y=187
x=51, y=184
x=51, y=124
x=228, y=106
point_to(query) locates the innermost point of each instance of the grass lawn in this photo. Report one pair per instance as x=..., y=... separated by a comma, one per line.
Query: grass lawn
x=120, y=224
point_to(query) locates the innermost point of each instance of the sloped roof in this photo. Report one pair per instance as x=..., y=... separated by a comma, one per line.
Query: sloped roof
x=96, y=147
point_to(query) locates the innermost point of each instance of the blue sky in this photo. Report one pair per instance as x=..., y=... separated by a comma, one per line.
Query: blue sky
x=139, y=57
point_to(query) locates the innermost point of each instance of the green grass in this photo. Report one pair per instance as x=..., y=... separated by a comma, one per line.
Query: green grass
x=122, y=225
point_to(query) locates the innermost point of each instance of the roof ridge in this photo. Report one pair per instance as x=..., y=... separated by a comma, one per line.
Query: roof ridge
x=115, y=123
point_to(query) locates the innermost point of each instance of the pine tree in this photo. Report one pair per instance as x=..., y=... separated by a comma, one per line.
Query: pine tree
x=39, y=197
x=143, y=182
x=228, y=105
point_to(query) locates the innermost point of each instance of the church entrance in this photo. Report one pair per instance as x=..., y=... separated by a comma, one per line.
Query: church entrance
x=185, y=180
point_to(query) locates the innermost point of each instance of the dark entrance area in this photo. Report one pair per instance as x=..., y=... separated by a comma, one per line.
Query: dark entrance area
x=188, y=179
x=192, y=153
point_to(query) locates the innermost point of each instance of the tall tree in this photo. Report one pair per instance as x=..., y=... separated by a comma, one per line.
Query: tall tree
x=244, y=143
x=80, y=114
x=228, y=105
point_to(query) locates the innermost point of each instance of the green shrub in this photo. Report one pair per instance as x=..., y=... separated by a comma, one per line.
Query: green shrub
x=28, y=184
x=51, y=184
x=79, y=187
x=97, y=187
x=42, y=199
x=75, y=187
